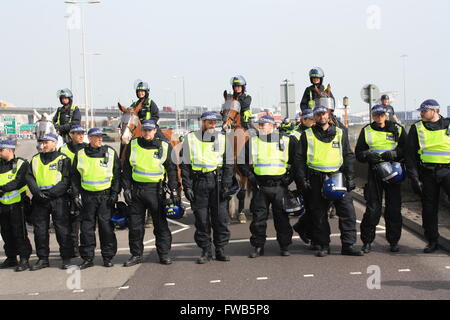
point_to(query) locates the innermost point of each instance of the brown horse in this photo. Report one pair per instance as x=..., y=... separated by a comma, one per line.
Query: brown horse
x=236, y=133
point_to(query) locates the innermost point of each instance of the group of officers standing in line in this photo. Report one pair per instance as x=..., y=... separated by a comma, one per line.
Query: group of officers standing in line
x=78, y=186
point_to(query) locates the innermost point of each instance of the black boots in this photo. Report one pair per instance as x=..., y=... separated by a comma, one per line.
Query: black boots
x=366, y=248
x=259, y=251
x=285, y=252
x=65, y=264
x=165, y=259
x=431, y=247
x=220, y=255
x=41, y=264
x=394, y=248
x=302, y=233
x=323, y=251
x=9, y=263
x=23, y=265
x=205, y=257
x=107, y=262
x=134, y=260
x=87, y=263
x=348, y=250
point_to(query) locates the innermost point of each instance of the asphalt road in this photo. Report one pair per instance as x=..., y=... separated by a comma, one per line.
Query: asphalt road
x=409, y=274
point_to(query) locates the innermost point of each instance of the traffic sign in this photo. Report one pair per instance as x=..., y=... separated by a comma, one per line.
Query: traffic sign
x=370, y=93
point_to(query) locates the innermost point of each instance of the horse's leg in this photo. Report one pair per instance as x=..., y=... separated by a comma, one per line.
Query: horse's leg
x=239, y=142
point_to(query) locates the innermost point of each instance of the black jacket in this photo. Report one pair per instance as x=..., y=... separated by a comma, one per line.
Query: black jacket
x=362, y=149
x=169, y=165
x=412, y=144
x=186, y=167
x=20, y=180
x=60, y=189
x=152, y=107
x=65, y=123
x=96, y=153
x=301, y=169
x=306, y=96
x=247, y=168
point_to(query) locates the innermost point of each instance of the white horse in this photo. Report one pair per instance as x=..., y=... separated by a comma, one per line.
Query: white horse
x=44, y=124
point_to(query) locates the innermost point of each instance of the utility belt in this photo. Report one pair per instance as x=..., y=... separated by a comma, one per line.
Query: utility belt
x=144, y=185
x=312, y=172
x=205, y=175
x=434, y=166
x=269, y=182
x=106, y=192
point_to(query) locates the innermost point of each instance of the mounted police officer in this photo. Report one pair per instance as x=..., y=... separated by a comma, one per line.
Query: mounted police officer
x=67, y=115
x=13, y=200
x=239, y=85
x=428, y=165
x=206, y=177
x=315, y=91
x=75, y=144
x=148, y=161
x=48, y=179
x=95, y=187
x=379, y=143
x=324, y=153
x=266, y=166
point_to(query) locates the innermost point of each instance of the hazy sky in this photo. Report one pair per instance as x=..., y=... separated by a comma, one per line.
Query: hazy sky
x=209, y=41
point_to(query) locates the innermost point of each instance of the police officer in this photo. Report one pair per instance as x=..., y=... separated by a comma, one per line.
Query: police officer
x=96, y=177
x=239, y=85
x=304, y=224
x=287, y=126
x=67, y=115
x=314, y=91
x=428, y=165
x=266, y=166
x=48, y=179
x=380, y=141
x=12, y=216
x=76, y=143
x=324, y=149
x=389, y=109
x=206, y=178
x=148, y=161
x=149, y=109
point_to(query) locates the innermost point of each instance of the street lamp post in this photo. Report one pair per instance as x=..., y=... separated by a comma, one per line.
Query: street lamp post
x=83, y=48
x=345, y=103
x=404, y=56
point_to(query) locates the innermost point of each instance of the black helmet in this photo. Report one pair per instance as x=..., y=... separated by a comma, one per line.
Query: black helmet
x=316, y=72
x=64, y=93
x=238, y=81
x=140, y=85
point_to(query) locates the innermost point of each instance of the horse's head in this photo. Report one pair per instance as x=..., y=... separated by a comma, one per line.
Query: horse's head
x=129, y=124
x=44, y=124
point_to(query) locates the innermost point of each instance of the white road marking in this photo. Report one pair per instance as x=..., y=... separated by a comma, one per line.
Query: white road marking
x=169, y=284
x=78, y=291
x=404, y=270
x=124, y=288
x=447, y=267
x=34, y=294
x=215, y=281
x=262, y=278
x=355, y=273
x=308, y=276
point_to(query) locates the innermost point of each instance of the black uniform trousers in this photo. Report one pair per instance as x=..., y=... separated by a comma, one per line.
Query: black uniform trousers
x=433, y=180
x=147, y=196
x=209, y=211
x=259, y=206
x=59, y=210
x=319, y=209
x=373, y=193
x=96, y=209
x=14, y=231
x=304, y=223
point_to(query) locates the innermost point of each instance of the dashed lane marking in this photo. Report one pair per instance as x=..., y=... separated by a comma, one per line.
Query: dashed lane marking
x=78, y=291
x=215, y=281
x=169, y=284
x=262, y=278
x=355, y=273
x=124, y=288
x=308, y=276
x=404, y=270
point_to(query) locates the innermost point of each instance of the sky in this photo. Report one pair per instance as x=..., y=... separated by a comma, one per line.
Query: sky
x=206, y=42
